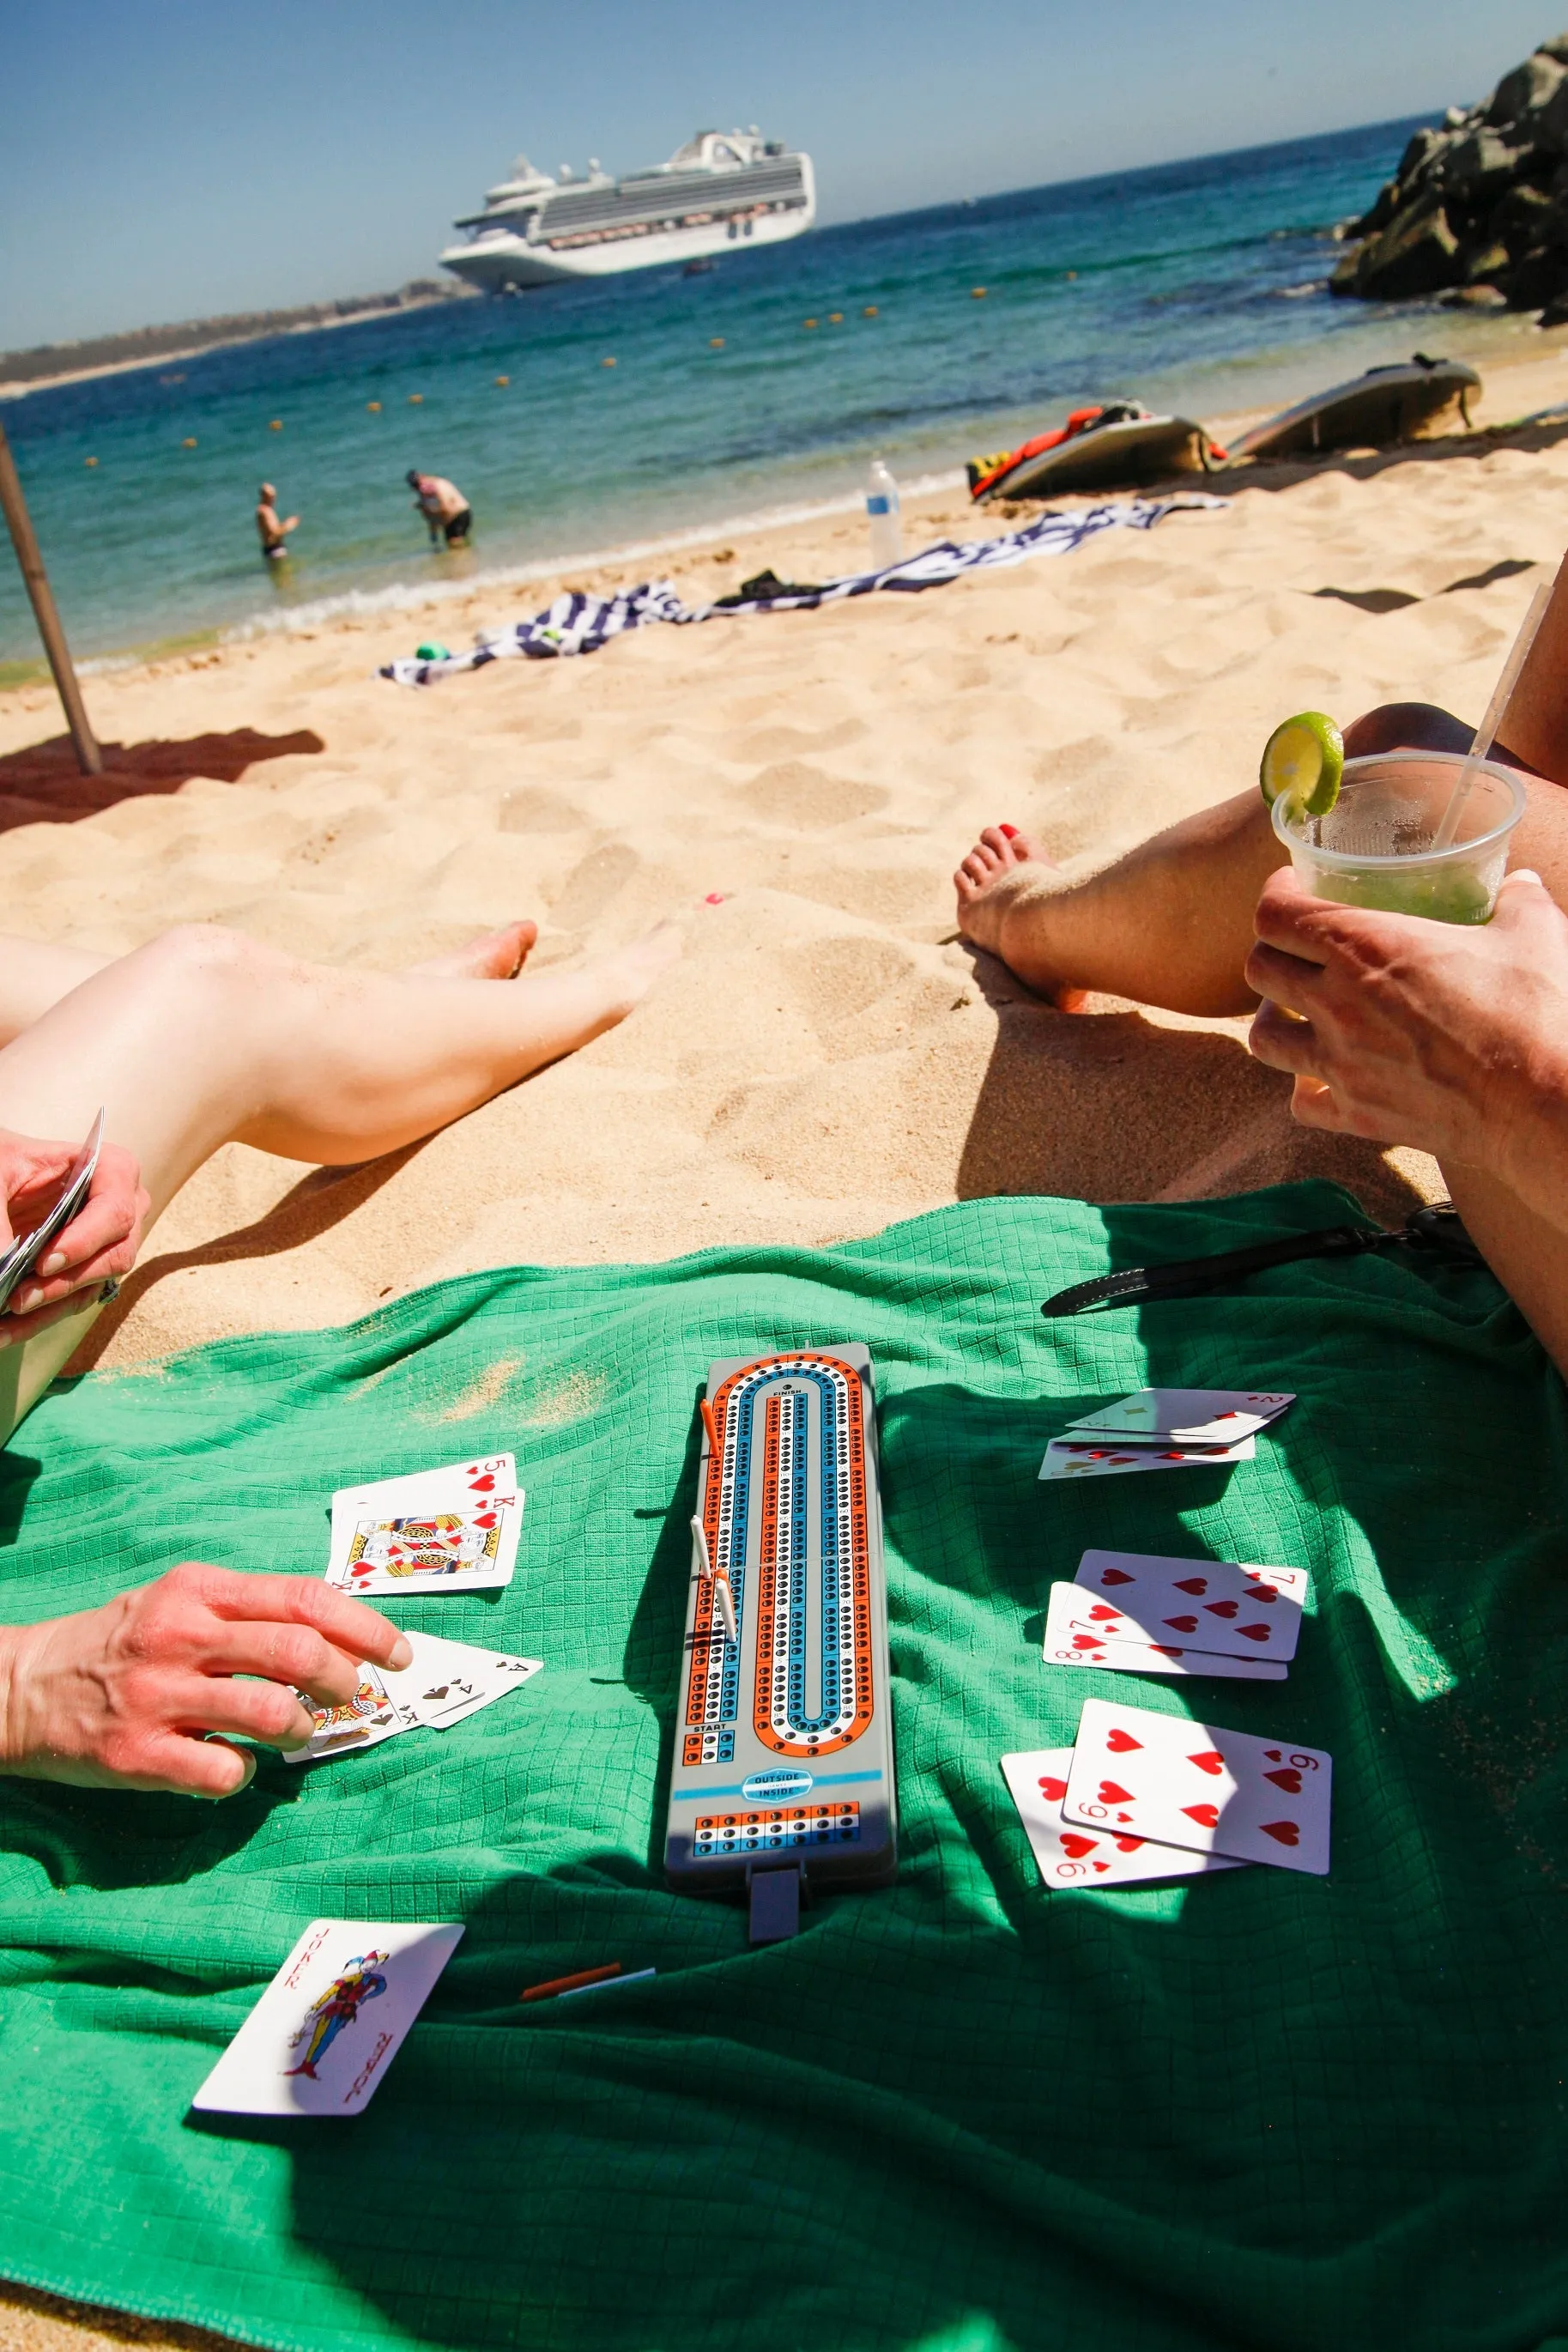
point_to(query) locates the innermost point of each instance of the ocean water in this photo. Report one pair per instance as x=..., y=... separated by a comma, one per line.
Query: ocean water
x=1199, y=286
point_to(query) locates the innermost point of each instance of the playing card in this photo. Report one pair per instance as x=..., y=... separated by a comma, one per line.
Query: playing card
x=1069, y=1856
x=324, y=2033
x=1081, y=1632
x=435, y=1531
x=1193, y=1416
x=1067, y=1457
x=364, y=1721
x=1240, y=1610
x=18, y=1261
x=1185, y=1783
x=451, y=1679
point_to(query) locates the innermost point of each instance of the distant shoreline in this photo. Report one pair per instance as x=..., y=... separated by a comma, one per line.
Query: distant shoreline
x=49, y=364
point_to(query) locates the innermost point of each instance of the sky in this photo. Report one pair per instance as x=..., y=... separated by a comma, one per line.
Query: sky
x=170, y=158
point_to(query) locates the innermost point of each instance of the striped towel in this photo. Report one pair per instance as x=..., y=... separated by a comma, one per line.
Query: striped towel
x=577, y=624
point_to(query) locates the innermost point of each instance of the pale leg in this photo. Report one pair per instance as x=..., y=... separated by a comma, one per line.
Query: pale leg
x=203, y=1037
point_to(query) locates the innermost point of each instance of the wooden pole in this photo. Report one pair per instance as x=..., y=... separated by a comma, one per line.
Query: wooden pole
x=89, y=758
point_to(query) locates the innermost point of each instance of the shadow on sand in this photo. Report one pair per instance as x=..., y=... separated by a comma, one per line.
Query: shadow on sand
x=42, y=784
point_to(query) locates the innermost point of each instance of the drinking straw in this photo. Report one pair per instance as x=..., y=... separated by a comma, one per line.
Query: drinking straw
x=1503, y=694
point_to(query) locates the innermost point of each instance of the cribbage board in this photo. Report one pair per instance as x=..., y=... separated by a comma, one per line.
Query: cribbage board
x=783, y=1743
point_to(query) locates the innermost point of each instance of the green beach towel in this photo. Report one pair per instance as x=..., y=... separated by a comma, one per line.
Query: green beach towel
x=1261, y=2110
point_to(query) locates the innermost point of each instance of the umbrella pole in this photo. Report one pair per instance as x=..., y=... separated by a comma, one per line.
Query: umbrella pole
x=89, y=758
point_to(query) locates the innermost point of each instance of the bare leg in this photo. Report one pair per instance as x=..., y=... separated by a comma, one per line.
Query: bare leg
x=1529, y=1257
x=1171, y=923
x=204, y=1037
x=34, y=975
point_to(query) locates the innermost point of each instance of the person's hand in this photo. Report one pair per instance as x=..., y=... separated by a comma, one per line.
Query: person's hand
x=122, y=1697
x=1448, y=1037
x=100, y=1240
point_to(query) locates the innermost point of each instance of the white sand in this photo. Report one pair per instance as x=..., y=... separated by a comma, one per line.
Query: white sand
x=827, y=1056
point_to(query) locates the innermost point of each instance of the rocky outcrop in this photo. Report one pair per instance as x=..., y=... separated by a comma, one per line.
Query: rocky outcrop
x=1478, y=207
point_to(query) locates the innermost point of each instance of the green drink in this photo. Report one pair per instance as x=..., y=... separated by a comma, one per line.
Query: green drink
x=1375, y=847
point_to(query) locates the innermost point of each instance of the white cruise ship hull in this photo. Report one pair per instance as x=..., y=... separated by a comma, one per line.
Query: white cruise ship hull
x=598, y=234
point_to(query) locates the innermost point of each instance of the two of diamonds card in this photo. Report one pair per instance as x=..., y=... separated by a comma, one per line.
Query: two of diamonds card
x=453, y=1530
x=1069, y=1854
x=1164, y=1429
x=324, y=2033
x=445, y=1682
x=1140, y=1613
x=1137, y=1774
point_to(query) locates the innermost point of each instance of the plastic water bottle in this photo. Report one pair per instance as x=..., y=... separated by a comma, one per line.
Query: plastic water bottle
x=881, y=514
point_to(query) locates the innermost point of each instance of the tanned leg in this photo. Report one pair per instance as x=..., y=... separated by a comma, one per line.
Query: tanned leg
x=1170, y=922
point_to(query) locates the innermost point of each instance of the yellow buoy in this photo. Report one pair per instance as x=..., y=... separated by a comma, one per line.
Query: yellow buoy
x=1072, y=273
x=275, y=425
x=835, y=318
x=810, y=322
x=977, y=293
x=374, y=407
x=189, y=443
x=415, y=399
x=89, y=461
x=715, y=343
x=870, y=311
x=606, y=363
x=503, y=381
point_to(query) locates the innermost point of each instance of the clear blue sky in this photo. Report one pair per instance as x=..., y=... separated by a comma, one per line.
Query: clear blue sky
x=166, y=159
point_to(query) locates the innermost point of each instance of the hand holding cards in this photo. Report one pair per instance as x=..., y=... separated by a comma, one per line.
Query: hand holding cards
x=452, y=1530
x=446, y=1681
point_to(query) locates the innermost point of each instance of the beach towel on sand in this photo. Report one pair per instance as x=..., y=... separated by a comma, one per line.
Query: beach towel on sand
x=1263, y=2110
x=580, y=624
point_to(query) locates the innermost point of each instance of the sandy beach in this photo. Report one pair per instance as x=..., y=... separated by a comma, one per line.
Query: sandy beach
x=796, y=788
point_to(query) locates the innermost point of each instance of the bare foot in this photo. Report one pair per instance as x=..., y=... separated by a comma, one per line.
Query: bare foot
x=1003, y=871
x=631, y=971
x=498, y=955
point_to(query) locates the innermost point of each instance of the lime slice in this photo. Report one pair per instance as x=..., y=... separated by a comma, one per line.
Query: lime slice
x=1302, y=763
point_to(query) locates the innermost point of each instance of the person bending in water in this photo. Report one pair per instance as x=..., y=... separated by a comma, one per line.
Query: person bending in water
x=272, y=530
x=200, y=1038
x=1451, y=1039
x=444, y=507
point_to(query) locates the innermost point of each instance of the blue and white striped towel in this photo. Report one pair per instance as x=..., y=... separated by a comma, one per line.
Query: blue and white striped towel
x=576, y=623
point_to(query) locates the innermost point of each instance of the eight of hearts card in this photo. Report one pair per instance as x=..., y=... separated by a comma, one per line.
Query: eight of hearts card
x=322, y=2035
x=1190, y=1416
x=453, y=1530
x=1083, y=1632
x=1191, y=1784
x=1071, y=1457
x=1228, y=1606
x=1069, y=1855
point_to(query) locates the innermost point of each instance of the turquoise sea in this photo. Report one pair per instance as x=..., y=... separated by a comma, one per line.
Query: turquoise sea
x=1200, y=286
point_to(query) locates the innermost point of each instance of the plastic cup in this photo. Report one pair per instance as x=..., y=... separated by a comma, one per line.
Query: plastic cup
x=1374, y=848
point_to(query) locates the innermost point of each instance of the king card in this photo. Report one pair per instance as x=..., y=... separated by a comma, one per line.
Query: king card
x=1083, y=1632
x=452, y=1530
x=371, y=1716
x=1227, y=1605
x=1071, y=1856
x=1185, y=1783
x=321, y=2037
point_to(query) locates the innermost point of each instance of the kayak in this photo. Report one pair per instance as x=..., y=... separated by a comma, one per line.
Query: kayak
x=1409, y=402
x=1096, y=449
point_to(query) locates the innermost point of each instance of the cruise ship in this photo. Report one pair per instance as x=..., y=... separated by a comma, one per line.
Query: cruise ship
x=721, y=192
